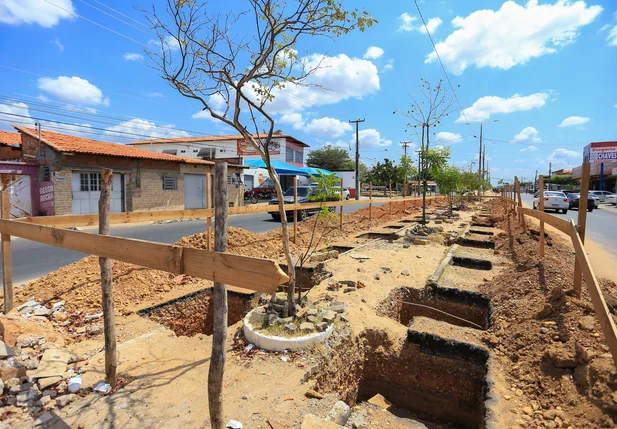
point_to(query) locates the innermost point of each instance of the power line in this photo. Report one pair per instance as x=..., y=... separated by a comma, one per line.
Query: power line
x=442, y=66
x=120, y=13
x=96, y=23
x=114, y=17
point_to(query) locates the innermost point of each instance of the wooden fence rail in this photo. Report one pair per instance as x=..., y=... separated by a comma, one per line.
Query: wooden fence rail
x=582, y=260
x=262, y=275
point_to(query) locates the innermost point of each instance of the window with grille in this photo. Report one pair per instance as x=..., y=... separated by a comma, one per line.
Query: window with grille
x=170, y=183
x=298, y=157
x=45, y=173
x=289, y=155
x=89, y=182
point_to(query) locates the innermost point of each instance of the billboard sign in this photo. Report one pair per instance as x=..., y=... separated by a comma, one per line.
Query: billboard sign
x=245, y=148
x=600, y=154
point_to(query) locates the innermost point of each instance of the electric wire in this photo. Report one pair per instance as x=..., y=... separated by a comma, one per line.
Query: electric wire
x=115, y=17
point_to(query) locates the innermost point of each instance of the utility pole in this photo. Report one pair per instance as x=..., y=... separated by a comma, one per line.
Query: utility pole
x=550, y=171
x=480, y=155
x=357, y=121
x=535, y=182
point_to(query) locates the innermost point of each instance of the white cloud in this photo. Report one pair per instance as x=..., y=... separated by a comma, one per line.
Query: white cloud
x=370, y=138
x=389, y=65
x=373, y=52
x=11, y=110
x=59, y=45
x=133, y=56
x=17, y=12
x=530, y=148
x=561, y=158
x=147, y=128
x=526, y=136
x=336, y=79
x=293, y=118
x=327, y=127
x=448, y=138
x=338, y=143
x=571, y=121
x=408, y=23
x=73, y=90
x=170, y=42
x=512, y=35
x=612, y=36
x=484, y=107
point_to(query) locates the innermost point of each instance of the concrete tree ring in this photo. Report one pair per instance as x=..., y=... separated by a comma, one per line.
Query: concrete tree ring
x=278, y=344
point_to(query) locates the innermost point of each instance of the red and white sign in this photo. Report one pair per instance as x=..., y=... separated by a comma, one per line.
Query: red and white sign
x=246, y=148
x=600, y=154
x=46, y=197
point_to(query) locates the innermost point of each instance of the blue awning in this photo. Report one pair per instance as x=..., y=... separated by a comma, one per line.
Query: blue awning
x=279, y=166
x=315, y=171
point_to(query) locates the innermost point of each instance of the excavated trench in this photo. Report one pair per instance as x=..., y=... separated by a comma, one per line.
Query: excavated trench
x=474, y=242
x=454, y=306
x=481, y=232
x=191, y=314
x=473, y=263
x=309, y=275
x=378, y=236
x=427, y=378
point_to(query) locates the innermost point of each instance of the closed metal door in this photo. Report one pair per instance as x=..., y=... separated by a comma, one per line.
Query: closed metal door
x=194, y=191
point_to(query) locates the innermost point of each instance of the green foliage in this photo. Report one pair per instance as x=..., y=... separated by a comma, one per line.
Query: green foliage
x=330, y=158
x=561, y=179
x=326, y=189
x=385, y=173
x=407, y=169
x=448, y=178
x=435, y=159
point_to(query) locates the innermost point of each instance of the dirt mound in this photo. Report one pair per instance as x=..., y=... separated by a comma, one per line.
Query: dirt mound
x=550, y=340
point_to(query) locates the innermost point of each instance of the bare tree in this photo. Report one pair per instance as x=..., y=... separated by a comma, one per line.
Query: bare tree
x=429, y=106
x=235, y=64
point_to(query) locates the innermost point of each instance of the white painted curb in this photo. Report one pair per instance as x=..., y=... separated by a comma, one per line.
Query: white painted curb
x=279, y=344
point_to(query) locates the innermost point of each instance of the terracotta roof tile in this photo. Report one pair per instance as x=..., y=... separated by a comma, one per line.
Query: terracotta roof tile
x=212, y=139
x=10, y=138
x=66, y=143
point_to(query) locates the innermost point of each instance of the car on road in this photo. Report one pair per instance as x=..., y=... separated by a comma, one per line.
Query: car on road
x=612, y=199
x=601, y=195
x=553, y=200
x=304, y=196
x=574, y=200
x=346, y=193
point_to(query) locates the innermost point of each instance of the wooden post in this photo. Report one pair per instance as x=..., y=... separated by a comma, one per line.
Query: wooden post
x=582, y=220
x=390, y=204
x=341, y=207
x=7, y=265
x=370, y=204
x=541, y=208
x=208, y=206
x=295, y=211
x=521, y=216
x=219, y=336
x=109, y=316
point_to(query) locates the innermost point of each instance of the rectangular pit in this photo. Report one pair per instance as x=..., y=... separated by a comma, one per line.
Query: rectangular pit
x=308, y=275
x=426, y=377
x=378, y=236
x=473, y=263
x=191, y=314
x=481, y=232
x=454, y=306
x=394, y=226
x=474, y=242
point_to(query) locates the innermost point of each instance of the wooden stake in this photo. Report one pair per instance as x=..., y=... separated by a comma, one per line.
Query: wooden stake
x=541, y=208
x=341, y=215
x=109, y=317
x=582, y=221
x=295, y=211
x=521, y=217
x=219, y=336
x=7, y=265
x=390, y=187
x=370, y=205
x=208, y=206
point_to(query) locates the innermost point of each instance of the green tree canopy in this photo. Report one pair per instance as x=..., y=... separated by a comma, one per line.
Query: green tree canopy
x=331, y=158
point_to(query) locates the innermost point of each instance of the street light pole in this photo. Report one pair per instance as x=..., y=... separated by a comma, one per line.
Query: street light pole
x=357, y=184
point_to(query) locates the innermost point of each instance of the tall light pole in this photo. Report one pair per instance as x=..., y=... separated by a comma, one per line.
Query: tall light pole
x=357, y=121
x=481, y=156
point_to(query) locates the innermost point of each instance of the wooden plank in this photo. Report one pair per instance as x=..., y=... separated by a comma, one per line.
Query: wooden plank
x=582, y=221
x=7, y=263
x=209, y=206
x=599, y=304
x=541, y=208
x=554, y=221
x=256, y=274
x=520, y=203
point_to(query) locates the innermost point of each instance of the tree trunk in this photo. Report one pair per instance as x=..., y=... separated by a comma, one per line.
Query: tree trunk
x=291, y=267
x=109, y=318
x=424, y=175
x=219, y=335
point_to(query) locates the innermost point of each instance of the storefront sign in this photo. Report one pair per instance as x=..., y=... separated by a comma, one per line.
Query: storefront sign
x=46, y=197
x=599, y=155
x=246, y=148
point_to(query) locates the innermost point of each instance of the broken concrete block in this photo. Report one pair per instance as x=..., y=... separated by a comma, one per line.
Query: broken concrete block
x=313, y=422
x=63, y=401
x=272, y=318
x=349, y=289
x=405, y=273
x=329, y=316
x=11, y=368
x=349, y=283
x=380, y=401
x=44, y=418
x=307, y=326
x=322, y=326
x=291, y=327
x=339, y=413
x=312, y=312
x=421, y=241
x=258, y=317
x=5, y=350
x=338, y=307
x=320, y=257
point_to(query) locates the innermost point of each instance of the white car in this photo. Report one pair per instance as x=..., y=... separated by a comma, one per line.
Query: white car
x=346, y=193
x=553, y=200
x=596, y=200
x=612, y=199
x=601, y=195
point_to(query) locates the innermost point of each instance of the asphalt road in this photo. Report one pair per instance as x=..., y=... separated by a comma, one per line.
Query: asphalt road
x=601, y=223
x=32, y=260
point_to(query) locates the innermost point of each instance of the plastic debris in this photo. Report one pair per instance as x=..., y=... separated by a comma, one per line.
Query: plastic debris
x=249, y=347
x=234, y=424
x=74, y=384
x=103, y=388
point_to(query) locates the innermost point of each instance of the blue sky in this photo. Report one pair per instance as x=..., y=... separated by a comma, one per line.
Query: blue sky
x=544, y=69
